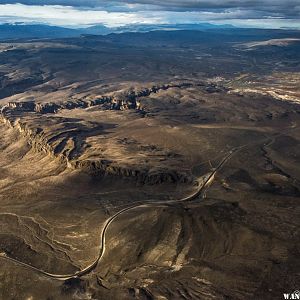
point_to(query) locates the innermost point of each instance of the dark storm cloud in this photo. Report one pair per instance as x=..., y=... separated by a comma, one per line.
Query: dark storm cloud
x=264, y=13
x=287, y=8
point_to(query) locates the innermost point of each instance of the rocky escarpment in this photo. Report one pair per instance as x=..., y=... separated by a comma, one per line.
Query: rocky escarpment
x=69, y=142
x=143, y=176
x=99, y=167
x=35, y=137
x=117, y=101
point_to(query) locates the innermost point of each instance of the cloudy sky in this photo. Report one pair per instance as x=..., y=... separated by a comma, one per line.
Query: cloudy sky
x=79, y=13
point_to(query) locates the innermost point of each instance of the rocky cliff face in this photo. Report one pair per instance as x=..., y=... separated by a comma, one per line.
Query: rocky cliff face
x=101, y=167
x=20, y=115
x=117, y=101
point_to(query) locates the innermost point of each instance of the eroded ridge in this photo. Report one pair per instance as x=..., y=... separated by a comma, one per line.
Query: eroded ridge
x=203, y=184
x=69, y=139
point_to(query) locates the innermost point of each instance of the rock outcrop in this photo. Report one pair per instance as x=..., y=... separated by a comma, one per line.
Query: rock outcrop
x=118, y=101
x=14, y=115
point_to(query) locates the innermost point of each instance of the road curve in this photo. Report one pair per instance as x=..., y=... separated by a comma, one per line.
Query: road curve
x=208, y=179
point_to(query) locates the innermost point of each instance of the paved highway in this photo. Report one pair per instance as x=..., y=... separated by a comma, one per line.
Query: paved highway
x=203, y=185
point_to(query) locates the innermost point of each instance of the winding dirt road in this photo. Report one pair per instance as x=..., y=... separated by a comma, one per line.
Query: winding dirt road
x=206, y=182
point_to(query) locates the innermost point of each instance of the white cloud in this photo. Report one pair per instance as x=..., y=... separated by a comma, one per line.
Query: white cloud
x=75, y=16
x=67, y=15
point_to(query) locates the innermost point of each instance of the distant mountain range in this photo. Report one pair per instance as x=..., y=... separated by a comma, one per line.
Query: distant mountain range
x=17, y=31
x=20, y=31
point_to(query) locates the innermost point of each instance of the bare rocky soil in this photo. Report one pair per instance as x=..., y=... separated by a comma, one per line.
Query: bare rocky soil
x=89, y=128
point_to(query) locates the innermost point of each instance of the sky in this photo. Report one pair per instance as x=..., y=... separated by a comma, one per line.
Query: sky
x=84, y=13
